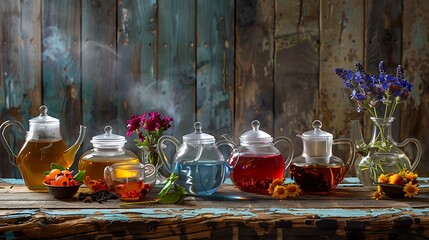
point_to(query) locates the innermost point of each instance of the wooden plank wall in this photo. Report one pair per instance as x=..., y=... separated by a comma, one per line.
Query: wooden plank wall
x=224, y=63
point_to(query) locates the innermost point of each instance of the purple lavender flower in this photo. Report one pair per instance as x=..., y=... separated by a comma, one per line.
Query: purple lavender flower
x=370, y=90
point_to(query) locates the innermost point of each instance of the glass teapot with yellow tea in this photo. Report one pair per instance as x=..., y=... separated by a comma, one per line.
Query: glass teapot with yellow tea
x=43, y=145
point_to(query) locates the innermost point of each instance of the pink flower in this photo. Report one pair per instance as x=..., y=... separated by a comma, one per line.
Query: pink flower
x=133, y=124
x=148, y=127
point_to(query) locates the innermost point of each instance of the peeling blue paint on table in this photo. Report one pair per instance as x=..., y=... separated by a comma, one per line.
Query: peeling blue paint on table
x=227, y=214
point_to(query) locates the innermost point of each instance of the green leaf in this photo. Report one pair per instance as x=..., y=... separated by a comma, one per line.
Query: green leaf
x=80, y=176
x=170, y=181
x=56, y=166
x=170, y=198
x=46, y=173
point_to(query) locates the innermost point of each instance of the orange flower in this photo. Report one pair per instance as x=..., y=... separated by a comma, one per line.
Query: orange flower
x=410, y=189
x=383, y=178
x=377, y=195
x=280, y=192
x=275, y=183
x=293, y=190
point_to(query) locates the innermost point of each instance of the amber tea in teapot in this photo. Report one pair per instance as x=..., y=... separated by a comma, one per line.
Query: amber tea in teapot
x=108, y=149
x=43, y=146
x=317, y=170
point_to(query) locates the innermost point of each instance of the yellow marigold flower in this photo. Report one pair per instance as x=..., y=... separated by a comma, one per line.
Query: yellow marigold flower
x=275, y=183
x=280, y=192
x=411, y=176
x=377, y=195
x=410, y=189
x=293, y=190
x=383, y=178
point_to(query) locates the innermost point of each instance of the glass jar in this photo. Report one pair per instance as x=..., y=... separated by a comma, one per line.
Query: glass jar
x=108, y=149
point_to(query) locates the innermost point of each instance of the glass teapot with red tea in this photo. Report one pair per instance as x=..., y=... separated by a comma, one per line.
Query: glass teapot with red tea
x=43, y=146
x=317, y=170
x=257, y=162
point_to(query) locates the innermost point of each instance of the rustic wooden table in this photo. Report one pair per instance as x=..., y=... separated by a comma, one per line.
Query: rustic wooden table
x=349, y=212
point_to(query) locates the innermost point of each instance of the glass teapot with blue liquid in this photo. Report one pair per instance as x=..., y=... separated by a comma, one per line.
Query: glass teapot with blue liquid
x=198, y=162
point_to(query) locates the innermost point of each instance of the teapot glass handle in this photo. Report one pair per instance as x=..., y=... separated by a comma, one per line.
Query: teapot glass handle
x=233, y=152
x=3, y=138
x=290, y=154
x=108, y=176
x=162, y=155
x=352, y=151
x=419, y=151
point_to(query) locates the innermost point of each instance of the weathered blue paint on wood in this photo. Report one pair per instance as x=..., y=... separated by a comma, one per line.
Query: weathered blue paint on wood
x=20, y=94
x=99, y=85
x=176, y=63
x=61, y=64
x=224, y=63
x=415, y=59
x=137, y=58
x=215, y=65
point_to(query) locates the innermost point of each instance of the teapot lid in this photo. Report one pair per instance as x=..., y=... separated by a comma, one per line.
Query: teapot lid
x=108, y=139
x=255, y=135
x=43, y=117
x=317, y=133
x=198, y=137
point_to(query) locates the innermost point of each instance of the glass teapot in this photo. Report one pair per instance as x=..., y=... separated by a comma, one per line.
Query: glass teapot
x=43, y=146
x=108, y=149
x=198, y=162
x=317, y=170
x=257, y=162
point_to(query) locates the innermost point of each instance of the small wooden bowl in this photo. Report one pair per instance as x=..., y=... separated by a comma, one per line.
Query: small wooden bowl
x=393, y=190
x=62, y=192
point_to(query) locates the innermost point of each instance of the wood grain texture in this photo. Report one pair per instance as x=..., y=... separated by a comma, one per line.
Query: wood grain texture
x=137, y=61
x=254, y=80
x=61, y=64
x=296, y=68
x=20, y=96
x=415, y=59
x=383, y=41
x=99, y=83
x=215, y=65
x=176, y=64
x=342, y=44
x=227, y=214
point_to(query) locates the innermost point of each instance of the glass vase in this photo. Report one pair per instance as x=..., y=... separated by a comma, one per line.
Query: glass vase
x=382, y=155
x=150, y=155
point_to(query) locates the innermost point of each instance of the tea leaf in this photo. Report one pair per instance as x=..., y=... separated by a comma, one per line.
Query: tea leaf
x=56, y=166
x=80, y=176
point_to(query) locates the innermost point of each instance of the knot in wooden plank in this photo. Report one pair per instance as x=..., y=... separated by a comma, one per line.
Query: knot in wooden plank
x=355, y=225
x=326, y=224
x=402, y=222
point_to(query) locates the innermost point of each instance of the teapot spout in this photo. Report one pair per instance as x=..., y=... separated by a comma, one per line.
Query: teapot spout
x=357, y=136
x=70, y=153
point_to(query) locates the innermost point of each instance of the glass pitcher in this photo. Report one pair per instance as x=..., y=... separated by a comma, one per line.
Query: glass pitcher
x=43, y=146
x=317, y=170
x=257, y=162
